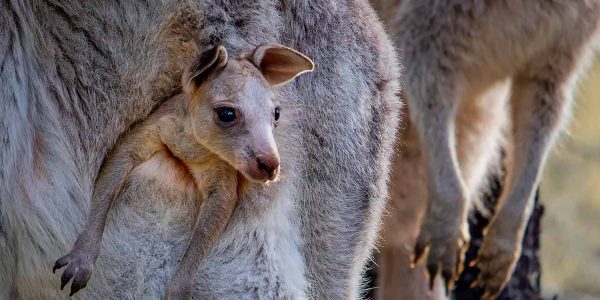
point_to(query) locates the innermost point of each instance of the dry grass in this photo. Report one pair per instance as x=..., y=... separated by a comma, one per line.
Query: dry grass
x=571, y=194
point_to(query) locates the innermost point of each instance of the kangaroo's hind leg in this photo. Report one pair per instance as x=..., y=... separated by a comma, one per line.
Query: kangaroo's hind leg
x=433, y=100
x=539, y=105
x=407, y=203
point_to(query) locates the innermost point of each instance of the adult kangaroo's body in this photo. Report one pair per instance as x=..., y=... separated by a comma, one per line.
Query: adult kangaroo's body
x=75, y=75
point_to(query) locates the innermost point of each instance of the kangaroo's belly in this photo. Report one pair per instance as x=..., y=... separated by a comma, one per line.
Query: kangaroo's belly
x=148, y=230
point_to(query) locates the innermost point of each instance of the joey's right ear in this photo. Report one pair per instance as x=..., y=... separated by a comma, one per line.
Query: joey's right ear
x=207, y=62
x=280, y=64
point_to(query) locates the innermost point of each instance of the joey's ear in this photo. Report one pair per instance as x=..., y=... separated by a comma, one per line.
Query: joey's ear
x=280, y=64
x=207, y=62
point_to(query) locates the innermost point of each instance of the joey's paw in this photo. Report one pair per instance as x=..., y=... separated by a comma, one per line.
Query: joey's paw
x=178, y=290
x=445, y=250
x=79, y=268
x=496, y=261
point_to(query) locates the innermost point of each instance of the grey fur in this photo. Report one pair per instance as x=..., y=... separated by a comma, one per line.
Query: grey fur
x=75, y=75
x=473, y=69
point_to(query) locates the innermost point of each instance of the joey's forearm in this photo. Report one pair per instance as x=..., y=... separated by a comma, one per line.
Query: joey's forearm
x=108, y=186
x=137, y=147
x=212, y=220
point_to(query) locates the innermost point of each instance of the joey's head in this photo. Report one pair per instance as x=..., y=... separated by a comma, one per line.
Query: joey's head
x=233, y=108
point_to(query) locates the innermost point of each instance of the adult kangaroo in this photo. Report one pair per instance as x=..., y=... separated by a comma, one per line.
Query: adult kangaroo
x=74, y=76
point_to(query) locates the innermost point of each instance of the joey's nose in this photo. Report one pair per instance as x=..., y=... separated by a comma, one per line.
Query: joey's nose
x=268, y=164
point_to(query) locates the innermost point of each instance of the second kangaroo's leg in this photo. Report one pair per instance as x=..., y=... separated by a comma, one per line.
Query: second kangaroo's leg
x=433, y=99
x=406, y=206
x=539, y=104
x=215, y=213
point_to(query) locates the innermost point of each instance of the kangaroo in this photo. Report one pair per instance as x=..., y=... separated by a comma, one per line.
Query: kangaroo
x=74, y=77
x=472, y=70
x=221, y=126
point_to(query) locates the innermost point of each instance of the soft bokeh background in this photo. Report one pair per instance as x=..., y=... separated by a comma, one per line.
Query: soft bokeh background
x=570, y=190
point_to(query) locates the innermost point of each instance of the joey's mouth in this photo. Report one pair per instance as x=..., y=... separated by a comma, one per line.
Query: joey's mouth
x=259, y=174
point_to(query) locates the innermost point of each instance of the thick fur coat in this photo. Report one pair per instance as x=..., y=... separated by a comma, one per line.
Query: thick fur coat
x=75, y=75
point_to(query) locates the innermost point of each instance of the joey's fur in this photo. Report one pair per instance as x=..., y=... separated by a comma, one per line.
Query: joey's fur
x=473, y=70
x=75, y=75
x=187, y=131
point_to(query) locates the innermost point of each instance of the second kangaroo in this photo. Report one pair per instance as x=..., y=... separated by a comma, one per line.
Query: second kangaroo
x=476, y=73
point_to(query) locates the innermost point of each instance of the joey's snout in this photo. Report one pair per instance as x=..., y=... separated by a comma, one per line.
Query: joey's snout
x=268, y=164
x=264, y=167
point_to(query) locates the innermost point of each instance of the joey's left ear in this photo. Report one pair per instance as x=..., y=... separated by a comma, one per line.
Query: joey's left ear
x=206, y=63
x=280, y=64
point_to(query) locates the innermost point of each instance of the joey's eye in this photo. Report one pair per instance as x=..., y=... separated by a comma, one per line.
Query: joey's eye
x=226, y=114
x=277, y=114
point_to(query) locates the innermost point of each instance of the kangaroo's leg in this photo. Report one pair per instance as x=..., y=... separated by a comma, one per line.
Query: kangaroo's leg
x=433, y=99
x=408, y=200
x=539, y=105
x=219, y=202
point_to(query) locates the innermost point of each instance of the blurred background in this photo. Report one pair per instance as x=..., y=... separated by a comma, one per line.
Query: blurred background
x=570, y=191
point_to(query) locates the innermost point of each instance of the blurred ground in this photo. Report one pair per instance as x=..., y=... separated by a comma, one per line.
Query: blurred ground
x=570, y=190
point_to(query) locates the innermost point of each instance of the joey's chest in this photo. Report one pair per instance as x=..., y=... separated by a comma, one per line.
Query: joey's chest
x=169, y=171
x=180, y=142
x=194, y=163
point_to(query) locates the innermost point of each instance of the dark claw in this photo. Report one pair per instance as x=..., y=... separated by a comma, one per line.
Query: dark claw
x=61, y=262
x=73, y=291
x=459, y=266
x=474, y=263
x=418, y=253
x=80, y=281
x=431, y=281
x=448, y=280
x=432, y=270
x=66, y=276
x=476, y=283
x=488, y=295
